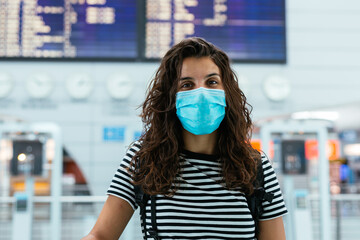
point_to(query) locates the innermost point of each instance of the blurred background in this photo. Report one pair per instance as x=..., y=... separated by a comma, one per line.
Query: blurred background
x=73, y=73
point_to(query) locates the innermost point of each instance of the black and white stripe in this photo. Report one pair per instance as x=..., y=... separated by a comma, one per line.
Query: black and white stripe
x=202, y=208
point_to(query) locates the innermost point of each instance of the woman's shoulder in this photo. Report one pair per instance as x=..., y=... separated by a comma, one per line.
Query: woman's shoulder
x=134, y=146
x=265, y=163
x=130, y=152
x=264, y=158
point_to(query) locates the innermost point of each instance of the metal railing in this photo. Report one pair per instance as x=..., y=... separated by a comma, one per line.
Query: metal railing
x=345, y=216
x=79, y=214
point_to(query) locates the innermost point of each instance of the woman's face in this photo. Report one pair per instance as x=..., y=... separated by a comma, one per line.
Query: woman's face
x=199, y=72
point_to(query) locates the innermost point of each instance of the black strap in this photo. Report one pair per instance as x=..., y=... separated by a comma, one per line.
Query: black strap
x=255, y=200
x=141, y=199
x=153, y=231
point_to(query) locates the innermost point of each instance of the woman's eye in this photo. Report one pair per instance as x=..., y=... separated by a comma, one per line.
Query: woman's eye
x=212, y=82
x=186, y=85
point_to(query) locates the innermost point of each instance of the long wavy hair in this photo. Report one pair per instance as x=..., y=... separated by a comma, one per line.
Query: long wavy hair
x=161, y=141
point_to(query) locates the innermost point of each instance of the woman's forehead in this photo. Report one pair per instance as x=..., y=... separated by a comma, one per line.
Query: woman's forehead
x=198, y=67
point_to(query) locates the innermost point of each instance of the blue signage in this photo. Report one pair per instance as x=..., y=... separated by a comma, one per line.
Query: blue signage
x=114, y=134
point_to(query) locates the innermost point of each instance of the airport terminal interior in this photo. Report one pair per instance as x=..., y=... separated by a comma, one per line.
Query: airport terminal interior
x=73, y=74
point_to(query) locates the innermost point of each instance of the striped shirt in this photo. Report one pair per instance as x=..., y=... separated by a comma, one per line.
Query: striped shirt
x=202, y=208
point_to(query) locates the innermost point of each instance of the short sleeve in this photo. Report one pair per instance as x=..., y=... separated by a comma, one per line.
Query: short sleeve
x=121, y=185
x=277, y=207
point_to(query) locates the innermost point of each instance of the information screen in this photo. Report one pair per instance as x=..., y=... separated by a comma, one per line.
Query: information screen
x=247, y=30
x=83, y=29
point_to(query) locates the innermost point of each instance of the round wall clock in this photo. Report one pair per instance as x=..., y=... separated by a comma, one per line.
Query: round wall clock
x=79, y=86
x=119, y=86
x=40, y=86
x=276, y=88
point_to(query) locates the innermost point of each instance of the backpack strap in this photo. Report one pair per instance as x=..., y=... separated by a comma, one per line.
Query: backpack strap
x=255, y=200
x=268, y=196
x=141, y=199
x=153, y=231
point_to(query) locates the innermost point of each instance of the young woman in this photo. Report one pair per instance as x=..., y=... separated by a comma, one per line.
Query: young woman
x=195, y=156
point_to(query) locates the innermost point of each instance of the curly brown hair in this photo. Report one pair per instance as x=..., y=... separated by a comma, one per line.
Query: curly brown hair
x=161, y=141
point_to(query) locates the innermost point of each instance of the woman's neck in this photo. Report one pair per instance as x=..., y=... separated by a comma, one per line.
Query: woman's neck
x=200, y=143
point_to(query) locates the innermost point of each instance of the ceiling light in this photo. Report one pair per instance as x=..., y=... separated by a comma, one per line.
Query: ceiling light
x=331, y=116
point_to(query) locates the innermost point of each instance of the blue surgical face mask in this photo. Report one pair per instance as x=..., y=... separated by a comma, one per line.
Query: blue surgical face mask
x=201, y=110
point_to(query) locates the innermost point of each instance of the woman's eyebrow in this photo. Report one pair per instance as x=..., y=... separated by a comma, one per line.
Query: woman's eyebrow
x=186, y=78
x=212, y=74
x=207, y=76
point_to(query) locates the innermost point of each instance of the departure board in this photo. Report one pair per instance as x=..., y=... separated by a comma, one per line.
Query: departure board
x=247, y=30
x=68, y=29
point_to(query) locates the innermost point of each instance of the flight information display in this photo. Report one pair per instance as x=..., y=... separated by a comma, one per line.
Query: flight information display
x=247, y=30
x=67, y=29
